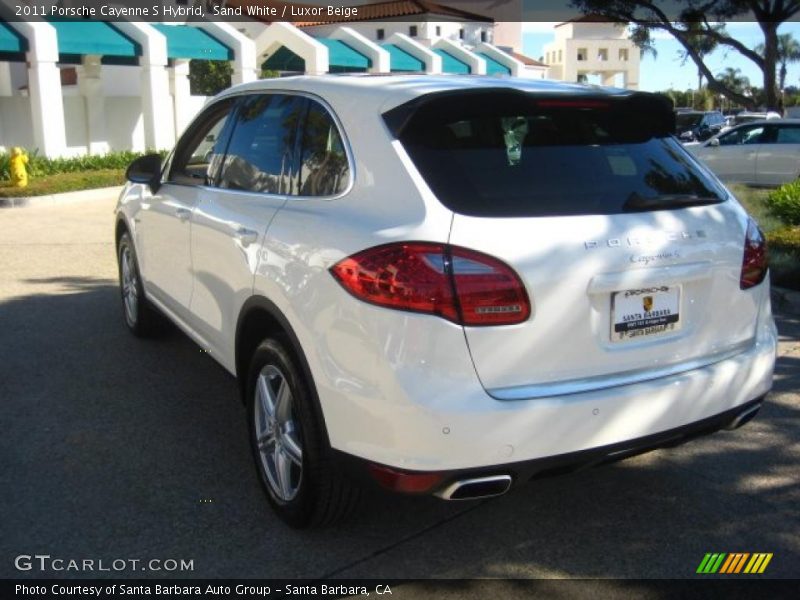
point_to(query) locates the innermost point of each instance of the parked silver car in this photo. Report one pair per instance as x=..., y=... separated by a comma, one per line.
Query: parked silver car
x=760, y=153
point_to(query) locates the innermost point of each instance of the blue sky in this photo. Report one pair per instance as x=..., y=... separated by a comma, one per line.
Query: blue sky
x=665, y=70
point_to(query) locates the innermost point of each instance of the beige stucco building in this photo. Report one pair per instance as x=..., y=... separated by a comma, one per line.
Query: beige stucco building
x=589, y=47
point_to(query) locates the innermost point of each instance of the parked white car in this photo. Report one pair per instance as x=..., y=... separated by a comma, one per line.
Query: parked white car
x=449, y=285
x=763, y=152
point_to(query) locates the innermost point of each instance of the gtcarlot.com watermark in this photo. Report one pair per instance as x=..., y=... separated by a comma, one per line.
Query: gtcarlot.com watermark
x=45, y=563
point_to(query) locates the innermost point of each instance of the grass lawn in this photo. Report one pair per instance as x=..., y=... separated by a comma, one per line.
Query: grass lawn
x=64, y=182
x=784, y=244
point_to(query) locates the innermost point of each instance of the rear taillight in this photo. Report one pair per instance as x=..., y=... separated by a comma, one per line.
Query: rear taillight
x=460, y=285
x=754, y=263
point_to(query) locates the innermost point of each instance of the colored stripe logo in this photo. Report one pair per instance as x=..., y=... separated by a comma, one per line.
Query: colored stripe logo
x=734, y=563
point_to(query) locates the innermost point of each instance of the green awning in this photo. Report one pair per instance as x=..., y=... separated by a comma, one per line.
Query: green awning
x=342, y=57
x=451, y=64
x=284, y=59
x=79, y=38
x=493, y=67
x=11, y=41
x=190, y=42
x=402, y=60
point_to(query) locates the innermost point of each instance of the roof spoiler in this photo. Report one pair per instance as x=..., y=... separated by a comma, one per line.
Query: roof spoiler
x=474, y=102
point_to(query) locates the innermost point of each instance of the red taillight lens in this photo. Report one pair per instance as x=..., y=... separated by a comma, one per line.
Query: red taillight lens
x=461, y=285
x=754, y=263
x=404, y=481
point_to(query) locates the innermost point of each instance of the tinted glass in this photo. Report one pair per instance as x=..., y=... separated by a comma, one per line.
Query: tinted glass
x=684, y=121
x=324, y=170
x=525, y=159
x=788, y=135
x=260, y=155
x=743, y=135
x=200, y=151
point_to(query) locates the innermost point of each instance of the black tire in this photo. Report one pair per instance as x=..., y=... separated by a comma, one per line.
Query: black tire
x=318, y=493
x=141, y=318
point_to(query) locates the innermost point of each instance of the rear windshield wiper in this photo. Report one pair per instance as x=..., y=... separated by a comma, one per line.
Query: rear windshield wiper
x=635, y=202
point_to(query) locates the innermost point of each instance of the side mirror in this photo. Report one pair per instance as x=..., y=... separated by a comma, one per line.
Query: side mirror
x=714, y=142
x=146, y=169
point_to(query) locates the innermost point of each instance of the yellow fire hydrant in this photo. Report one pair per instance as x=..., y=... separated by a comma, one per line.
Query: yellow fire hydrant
x=19, y=174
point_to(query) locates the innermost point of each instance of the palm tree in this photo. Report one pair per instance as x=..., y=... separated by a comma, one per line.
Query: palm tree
x=732, y=79
x=788, y=52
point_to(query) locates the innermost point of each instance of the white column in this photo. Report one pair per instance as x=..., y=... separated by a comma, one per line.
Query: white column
x=378, y=56
x=159, y=126
x=245, y=65
x=181, y=92
x=431, y=60
x=44, y=87
x=90, y=87
x=5, y=79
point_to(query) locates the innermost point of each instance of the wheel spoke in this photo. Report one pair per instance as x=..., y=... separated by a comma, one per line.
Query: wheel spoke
x=293, y=450
x=283, y=468
x=283, y=402
x=265, y=398
x=267, y=439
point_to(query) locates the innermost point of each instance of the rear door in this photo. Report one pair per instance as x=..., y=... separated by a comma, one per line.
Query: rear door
x=630, y=253
x=778, y=160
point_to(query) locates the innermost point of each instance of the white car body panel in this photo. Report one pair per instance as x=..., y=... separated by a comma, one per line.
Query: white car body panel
x=410, y=390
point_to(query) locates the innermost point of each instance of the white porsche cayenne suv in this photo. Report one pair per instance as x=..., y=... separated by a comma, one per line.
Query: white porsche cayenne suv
x=449, y=285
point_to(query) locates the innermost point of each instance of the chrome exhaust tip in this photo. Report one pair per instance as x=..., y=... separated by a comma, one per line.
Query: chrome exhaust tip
x=474, y=489
x=744, y=417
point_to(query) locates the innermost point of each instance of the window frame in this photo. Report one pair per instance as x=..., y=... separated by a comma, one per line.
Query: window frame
x=240, y=97
x=197, y=125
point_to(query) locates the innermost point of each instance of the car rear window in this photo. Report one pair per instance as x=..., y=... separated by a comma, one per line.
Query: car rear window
x=511, y=154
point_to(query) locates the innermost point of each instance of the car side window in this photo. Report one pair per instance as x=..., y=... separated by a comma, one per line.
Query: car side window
x=324, y=170
x=788, y=135
x=199, y=153
x=260, y=155
x=745, y=135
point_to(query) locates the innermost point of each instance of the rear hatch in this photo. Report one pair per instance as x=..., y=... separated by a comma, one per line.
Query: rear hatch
x=631, y=254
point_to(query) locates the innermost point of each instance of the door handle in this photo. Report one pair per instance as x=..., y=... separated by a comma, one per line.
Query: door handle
x=245, y=236
x=183, y=213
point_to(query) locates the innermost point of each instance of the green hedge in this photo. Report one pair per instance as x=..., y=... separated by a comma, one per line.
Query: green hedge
x=39, y=166
x=785, y=240
x=784, y=203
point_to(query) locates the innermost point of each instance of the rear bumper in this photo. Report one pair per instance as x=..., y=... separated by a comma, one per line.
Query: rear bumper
x=465, y=429
x=520, y=472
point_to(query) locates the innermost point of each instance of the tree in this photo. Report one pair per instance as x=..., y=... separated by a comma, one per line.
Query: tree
x=701, y=44
x=647, y=16
x=732, y=79
x=209, y=77
x=788, y=52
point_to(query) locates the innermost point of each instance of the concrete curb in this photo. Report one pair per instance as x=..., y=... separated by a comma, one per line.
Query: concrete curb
x=786, y=301
x=65, y=198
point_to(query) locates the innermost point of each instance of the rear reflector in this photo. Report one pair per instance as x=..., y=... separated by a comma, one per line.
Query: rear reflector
x=754, y=262
x=457, y=284
x=404, y=481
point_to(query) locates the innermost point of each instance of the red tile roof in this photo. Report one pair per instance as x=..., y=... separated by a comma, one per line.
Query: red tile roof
x=526, y=60
x=379, y=11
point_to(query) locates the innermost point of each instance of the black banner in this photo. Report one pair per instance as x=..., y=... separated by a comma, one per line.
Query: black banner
x=730, y=589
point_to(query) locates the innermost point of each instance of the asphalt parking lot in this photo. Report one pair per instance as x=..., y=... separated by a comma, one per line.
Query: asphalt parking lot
x=114, y=447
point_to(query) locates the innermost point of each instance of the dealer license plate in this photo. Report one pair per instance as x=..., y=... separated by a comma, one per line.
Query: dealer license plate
x=645, y=312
